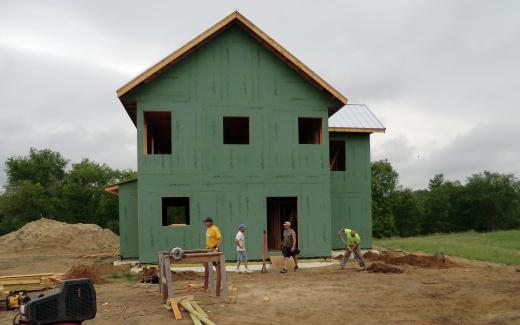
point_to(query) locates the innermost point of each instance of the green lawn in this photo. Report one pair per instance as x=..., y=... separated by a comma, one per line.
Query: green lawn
x=498, y=247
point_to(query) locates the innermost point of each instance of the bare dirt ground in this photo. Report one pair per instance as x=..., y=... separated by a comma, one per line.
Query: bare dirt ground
x=474, y=293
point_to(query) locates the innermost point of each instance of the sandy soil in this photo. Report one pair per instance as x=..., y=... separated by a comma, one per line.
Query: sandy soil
x=475, y=293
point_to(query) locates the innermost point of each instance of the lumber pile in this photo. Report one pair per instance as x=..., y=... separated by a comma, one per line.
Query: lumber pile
x=194, y=310
x=30, y=282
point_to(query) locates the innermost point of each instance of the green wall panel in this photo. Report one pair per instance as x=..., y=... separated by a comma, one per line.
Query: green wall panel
x=129, y=241
x=351, y=190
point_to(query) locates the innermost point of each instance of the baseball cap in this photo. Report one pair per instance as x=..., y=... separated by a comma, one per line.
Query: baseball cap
x=242, y=225
x=288, y=223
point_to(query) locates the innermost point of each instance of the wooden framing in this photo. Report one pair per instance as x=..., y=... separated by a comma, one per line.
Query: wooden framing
x=214, y=280
x=356, y=130
x=257, y=33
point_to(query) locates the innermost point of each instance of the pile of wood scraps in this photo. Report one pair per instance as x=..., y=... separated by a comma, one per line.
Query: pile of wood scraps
x=190, y=306
x=30, y=282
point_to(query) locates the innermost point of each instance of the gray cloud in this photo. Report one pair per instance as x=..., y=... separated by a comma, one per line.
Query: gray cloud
x=442, y=75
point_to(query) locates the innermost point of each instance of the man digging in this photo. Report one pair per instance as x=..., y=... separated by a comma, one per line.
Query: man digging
x=351, y=246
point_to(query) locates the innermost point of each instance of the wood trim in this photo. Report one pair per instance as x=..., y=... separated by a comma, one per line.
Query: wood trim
x=213, y=30
x=114, y=188
x=356, y=130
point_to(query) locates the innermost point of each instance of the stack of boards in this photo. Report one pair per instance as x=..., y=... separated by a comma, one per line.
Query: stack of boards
x=29, y=282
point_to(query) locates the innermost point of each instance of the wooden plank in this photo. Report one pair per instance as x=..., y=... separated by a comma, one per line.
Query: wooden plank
x=199, y=308
x=175, y=309
x=25, y=275
x=21, y=281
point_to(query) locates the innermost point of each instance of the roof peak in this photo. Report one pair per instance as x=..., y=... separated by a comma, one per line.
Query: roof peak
x=247, y=25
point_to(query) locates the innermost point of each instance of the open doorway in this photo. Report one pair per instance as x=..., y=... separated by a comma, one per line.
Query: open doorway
x=279, y=210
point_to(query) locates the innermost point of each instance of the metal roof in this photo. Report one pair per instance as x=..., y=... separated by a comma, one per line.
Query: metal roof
x=355, y=118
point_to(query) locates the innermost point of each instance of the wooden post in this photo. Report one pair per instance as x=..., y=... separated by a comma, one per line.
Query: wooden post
x=219, y=278
x=169, y=277
x=206, y=275
x=223, y=276
x=211, y=276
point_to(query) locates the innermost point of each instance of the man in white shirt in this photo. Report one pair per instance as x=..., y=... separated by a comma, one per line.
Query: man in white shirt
x=240, y=240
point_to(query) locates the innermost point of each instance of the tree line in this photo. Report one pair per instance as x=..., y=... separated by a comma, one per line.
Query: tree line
x=486, y=201
x=45, y=184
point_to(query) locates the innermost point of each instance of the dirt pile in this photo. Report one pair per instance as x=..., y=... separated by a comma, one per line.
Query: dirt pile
x=85, y=271
x=398, y=258
x=96, y=272
x=377, y=267
x=50, y=237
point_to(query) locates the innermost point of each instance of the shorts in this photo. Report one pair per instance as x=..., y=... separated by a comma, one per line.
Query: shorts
x=286, y=252
x=241, y=256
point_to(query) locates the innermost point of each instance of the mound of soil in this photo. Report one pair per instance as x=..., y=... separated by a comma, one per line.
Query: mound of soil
x=377, y=267
x=85, y=271
x=371, y=255
x=51, y=237
x=426, y=261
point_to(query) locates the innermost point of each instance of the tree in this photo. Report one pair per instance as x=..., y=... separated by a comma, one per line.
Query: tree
x=39, y=185
x=492, y=201
x=384, y=183
x=441, y=206
x=407, y=213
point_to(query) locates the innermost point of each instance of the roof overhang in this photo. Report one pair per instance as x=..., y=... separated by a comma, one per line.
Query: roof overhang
x=356, y=130
x=114, y=188
x=247, y=25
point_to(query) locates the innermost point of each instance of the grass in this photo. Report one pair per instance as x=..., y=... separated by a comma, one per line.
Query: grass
x=497, y=247
x=129, y=276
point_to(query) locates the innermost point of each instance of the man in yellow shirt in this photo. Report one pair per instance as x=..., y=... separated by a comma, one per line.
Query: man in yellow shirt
x=213, y=236
x=351, y=246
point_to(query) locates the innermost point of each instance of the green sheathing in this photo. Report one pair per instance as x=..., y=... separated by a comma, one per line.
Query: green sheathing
x=128, y=238
x=351, y=190
x=233, y=75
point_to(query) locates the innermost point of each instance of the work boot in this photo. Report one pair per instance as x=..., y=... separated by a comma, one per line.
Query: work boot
x=283, y=271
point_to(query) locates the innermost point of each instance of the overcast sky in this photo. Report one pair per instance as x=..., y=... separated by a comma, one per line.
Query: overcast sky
x=442, y=75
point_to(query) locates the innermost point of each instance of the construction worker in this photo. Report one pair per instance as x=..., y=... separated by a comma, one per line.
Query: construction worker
x=213, y=236
x=289, y=248
x=240, y=241
x=351, y=246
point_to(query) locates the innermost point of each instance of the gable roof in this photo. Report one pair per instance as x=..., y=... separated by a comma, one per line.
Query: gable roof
x=246, y=24
x=355, y=118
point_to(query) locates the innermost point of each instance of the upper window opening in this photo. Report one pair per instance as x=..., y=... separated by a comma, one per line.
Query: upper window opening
x=157, y=133
x=175, y=211
x=236, y=130
x=337, y=155
x=309, y=130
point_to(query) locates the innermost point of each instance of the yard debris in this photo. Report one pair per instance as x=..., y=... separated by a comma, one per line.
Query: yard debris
x=378, y=267
x=54, y=237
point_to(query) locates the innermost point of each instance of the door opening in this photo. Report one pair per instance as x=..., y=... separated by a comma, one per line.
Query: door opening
x=279, y=210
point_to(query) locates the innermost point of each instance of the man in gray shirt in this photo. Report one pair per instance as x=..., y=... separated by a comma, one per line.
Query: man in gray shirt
x=289, y=248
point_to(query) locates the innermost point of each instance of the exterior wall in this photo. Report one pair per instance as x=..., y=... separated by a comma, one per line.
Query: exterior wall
x=351, y=190
x=233, y=75
x=129, y=241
